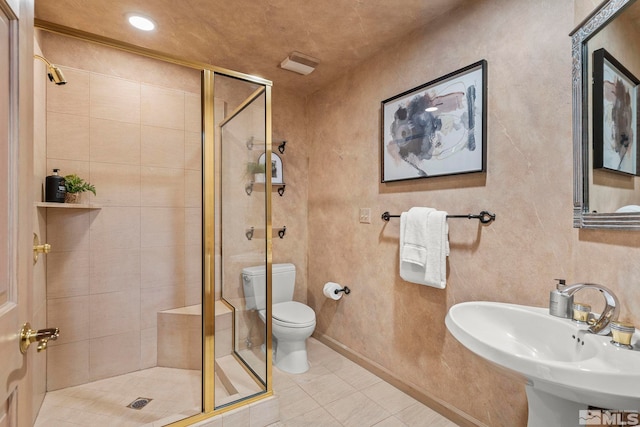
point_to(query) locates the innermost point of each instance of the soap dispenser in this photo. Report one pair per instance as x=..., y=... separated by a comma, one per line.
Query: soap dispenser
x=55, y=189
x=560, y=304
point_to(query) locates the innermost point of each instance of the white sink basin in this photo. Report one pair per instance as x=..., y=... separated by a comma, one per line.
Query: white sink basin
x=555, y=356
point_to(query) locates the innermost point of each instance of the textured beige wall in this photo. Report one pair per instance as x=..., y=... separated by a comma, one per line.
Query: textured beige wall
x=528, y=185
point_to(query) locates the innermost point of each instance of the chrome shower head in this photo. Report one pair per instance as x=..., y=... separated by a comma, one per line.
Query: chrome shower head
x=54, y=73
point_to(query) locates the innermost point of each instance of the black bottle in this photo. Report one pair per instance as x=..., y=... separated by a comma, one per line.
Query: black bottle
x=54, y=189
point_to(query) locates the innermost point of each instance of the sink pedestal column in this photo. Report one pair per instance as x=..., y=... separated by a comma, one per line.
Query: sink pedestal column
x=548, y=410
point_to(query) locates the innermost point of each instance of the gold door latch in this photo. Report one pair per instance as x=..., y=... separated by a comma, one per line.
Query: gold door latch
x=45, y=248
x=28, y=335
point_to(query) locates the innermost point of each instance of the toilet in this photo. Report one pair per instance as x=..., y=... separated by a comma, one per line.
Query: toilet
x=292, y=322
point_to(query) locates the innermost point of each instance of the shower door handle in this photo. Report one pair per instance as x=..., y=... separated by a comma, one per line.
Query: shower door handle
x=42, y=336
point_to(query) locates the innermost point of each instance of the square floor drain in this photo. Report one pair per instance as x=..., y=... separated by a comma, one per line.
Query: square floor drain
x=139, y=403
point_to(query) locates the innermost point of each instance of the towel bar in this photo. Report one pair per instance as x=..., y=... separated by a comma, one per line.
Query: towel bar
x=485, y=217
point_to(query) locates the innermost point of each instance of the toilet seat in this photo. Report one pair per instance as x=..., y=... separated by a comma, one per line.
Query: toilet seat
x=291, y=314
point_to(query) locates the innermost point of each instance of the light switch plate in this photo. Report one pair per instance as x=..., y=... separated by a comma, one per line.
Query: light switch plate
x=365, y=215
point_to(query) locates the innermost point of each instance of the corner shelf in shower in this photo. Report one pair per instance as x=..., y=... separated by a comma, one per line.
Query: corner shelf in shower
x=67, y=205
x=254, y=143
x=259, y=186
x=259, y=232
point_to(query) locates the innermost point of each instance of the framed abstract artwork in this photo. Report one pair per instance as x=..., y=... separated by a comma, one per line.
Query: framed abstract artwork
x=438, y=128
x=615, y=115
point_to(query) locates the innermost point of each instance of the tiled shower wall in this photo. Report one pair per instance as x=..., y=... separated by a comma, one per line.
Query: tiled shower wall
x=112, y=269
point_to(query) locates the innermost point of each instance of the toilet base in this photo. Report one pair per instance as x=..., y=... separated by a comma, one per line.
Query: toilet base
x=291, y=356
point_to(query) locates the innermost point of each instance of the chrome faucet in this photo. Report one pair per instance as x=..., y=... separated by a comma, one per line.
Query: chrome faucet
x=609, y=314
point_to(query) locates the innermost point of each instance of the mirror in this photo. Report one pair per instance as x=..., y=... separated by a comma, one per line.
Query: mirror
x=606, y=195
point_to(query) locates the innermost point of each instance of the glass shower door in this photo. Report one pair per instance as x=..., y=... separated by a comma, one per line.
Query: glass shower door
x=241, y=338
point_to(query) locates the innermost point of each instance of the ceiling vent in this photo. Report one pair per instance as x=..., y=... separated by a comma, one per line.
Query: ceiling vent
x=299, y=63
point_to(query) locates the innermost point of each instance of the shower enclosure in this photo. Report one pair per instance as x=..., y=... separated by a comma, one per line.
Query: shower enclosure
x=162, y=301
x=241, y=224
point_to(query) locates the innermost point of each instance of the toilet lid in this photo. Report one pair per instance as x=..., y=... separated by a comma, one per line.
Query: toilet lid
x=293, y=312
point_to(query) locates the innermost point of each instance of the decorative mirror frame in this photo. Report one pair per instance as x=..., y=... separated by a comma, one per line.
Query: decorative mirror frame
x=581, y=218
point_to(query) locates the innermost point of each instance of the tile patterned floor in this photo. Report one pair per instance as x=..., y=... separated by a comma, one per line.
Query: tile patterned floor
x=334, y=392
x=338, y=392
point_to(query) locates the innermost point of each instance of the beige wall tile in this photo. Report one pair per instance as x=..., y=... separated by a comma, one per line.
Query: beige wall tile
x=67, y=136
x=162, y=107
x=162, y=147
x=71, y=316
x=68, y=167
x=114, y=355
x=157, y=299
x=67, y=274
x=115, y=228
x=116, y=185
x=115, y=99
x=173, y=343
x=192, y=188
x=162, y=266
x=114, y=270
x=105, y=320
x=193, y=292
x=67, y=365
x=193, y=150
x=107, y=113
x=162, y=227
x=72, y=98
x=148, y=348
x=193, y=226
x=115, y=142
x=193, y=264
x=192, y=119
x=162, y=187
x=68, y=230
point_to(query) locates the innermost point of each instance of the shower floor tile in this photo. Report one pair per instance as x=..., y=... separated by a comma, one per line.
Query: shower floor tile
x=104, y=402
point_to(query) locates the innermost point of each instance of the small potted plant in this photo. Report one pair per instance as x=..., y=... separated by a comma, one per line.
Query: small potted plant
x=76, y=185
x=257, y=171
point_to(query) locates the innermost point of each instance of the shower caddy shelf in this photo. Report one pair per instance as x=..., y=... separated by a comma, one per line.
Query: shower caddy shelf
x=67, y=205
x=279, y=231
x=260, y=186
x=251, y=143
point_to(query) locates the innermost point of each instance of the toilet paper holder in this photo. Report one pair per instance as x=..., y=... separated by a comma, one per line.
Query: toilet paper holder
x=346, y=290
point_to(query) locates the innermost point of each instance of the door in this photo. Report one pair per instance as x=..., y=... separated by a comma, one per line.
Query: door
x=15, y=212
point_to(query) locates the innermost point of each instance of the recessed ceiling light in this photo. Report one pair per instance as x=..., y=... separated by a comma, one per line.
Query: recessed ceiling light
x=141, y=22
x=431, y=109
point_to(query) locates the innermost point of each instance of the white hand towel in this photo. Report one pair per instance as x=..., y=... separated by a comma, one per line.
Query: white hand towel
x=414, y=236
x=437, y=249
x=423, y=261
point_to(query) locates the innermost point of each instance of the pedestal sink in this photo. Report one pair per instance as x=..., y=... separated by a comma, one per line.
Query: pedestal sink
x=565, y=368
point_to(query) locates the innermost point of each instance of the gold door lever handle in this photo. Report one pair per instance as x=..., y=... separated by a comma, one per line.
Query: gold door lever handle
x=28, y=335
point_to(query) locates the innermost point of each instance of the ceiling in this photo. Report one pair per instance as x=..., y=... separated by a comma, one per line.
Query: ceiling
x=254, y=36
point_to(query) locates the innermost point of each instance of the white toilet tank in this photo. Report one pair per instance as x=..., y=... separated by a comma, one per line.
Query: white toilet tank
x=253, y=283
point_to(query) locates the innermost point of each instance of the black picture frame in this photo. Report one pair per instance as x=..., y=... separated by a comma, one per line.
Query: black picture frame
x=438, y=128
x=615, y=115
